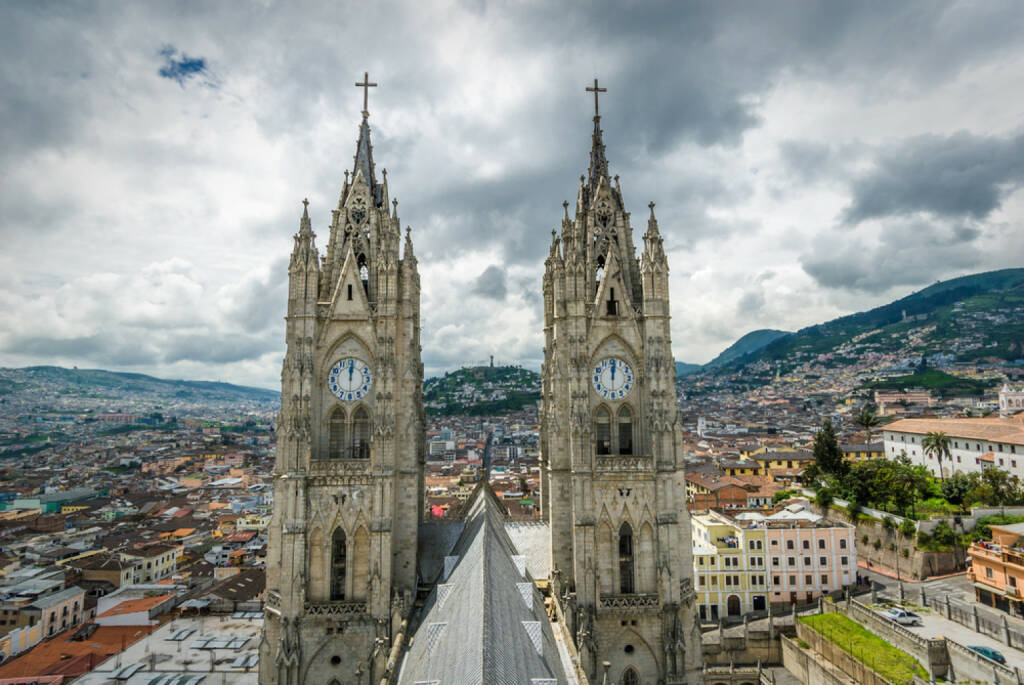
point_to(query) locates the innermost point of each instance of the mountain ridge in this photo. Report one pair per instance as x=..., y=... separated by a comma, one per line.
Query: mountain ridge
x=965, y=319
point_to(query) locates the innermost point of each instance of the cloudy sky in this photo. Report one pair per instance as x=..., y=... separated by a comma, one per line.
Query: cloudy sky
x=807, y=160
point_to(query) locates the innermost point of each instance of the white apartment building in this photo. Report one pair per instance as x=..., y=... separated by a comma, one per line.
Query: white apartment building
x=975, y=444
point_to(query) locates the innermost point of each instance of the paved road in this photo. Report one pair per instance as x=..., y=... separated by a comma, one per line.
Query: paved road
x=936, y=625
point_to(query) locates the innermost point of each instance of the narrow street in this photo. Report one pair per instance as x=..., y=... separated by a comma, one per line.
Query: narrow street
x=960, y=590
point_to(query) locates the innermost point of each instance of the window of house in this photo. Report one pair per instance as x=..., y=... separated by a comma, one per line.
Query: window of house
x=775, y=561
x=823, y=561
x=789, y=544
x=792, y=580
x=808, y=580
x=807, y=561
x=700, y=581
x=843, y=561
x=842, y=543
x=988, y=572
x=777, y=580
x=821, y=544
x=775, y=543
x=824, y=579
x=807, y=544
x=714, y=580
x=792, y=561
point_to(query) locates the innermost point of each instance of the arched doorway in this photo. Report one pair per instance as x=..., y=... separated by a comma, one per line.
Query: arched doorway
x=733, y=605
x=630, y=677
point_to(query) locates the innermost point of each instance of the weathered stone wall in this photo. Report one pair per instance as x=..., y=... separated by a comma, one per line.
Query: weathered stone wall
x=824, y=662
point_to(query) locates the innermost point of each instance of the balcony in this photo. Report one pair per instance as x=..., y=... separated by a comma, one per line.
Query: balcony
x=336, y=609
x=613, y=463
x=630, y=604
x=339, y=467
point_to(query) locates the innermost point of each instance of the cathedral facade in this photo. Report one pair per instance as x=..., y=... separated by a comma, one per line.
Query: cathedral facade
x=348, y=480
x=360, y=589
x=613, y=486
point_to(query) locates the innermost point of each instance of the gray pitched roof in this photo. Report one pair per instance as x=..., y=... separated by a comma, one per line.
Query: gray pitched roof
x=484, y=622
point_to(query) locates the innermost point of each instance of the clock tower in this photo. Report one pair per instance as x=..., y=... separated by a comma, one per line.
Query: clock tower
x=348, y=480
x=613, y=488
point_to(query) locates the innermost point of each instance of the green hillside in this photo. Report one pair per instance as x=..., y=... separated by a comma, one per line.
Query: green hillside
x=971, y=319
x=685, y=369
x=99, y=383
x=749, y=344
x=933, y=379
x=481, y=391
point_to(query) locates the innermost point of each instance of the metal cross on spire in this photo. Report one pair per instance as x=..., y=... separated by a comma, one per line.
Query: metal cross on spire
x=366, y=85
x=595, y=90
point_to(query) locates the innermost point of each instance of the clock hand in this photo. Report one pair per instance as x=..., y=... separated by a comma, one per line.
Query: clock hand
x=613, y=371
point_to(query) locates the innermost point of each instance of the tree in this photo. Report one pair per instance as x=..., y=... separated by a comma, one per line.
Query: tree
x=937, y=445
x=867, y=419
x=956, y=488
x=824, y=500
x=827, y=455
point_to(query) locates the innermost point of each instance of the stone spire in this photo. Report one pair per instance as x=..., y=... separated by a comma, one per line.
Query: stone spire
x=598, y=161
x=364, y=159
x=305, y=246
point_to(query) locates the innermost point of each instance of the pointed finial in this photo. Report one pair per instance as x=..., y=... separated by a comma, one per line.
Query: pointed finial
x=384, y=172
x=582, y=178
x=346, y=176
x=651, y=205
x=394, y=212
x=305, y=206
x=553, y=234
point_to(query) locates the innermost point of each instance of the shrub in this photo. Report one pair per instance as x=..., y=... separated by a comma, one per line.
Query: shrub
x=864, y=539
x=905, y=552
x=877, y=544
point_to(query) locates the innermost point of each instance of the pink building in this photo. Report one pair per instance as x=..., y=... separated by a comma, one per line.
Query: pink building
x=808, y=556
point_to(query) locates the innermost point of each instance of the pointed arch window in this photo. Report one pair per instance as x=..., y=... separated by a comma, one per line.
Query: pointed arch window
x=360, y=434
x=630, y=677
x=364, y=273
x=612, y=304
x=602, y=431
x=339, y=560
x=626, y=585
x=336, y=449
x=625, y=421
x=599, y=273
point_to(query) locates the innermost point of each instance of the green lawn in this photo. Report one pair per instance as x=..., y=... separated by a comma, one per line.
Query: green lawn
x=893, y=664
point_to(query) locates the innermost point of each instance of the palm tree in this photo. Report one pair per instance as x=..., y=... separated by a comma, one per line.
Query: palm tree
x=937, y=445
x=867, y=419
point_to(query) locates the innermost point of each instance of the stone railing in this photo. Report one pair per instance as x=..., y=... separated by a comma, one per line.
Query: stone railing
x=624, y=462
x=339, y=467
x=336, y=609
x=630, y=603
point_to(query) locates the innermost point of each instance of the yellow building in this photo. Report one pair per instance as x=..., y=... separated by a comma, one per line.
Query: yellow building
x=863, y=451
x=155, y=562
x=730, y=575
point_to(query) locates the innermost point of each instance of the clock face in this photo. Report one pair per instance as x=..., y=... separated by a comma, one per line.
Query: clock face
x=612, y=378
x=350, y=379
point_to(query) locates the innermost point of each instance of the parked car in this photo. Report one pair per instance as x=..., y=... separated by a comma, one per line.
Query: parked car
x=902, y=616
x=989, y=653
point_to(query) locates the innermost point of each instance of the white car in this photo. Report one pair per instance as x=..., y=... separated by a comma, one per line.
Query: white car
x=902, y=616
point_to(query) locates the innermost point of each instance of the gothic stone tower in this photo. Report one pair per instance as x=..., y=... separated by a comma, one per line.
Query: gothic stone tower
x=348, y=481
x=612, y=469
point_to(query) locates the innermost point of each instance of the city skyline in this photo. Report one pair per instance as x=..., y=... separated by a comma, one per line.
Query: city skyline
x=806, y=161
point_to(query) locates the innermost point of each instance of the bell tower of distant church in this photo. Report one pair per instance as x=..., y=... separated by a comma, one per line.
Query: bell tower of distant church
x=348, y=480
x=613, y=487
